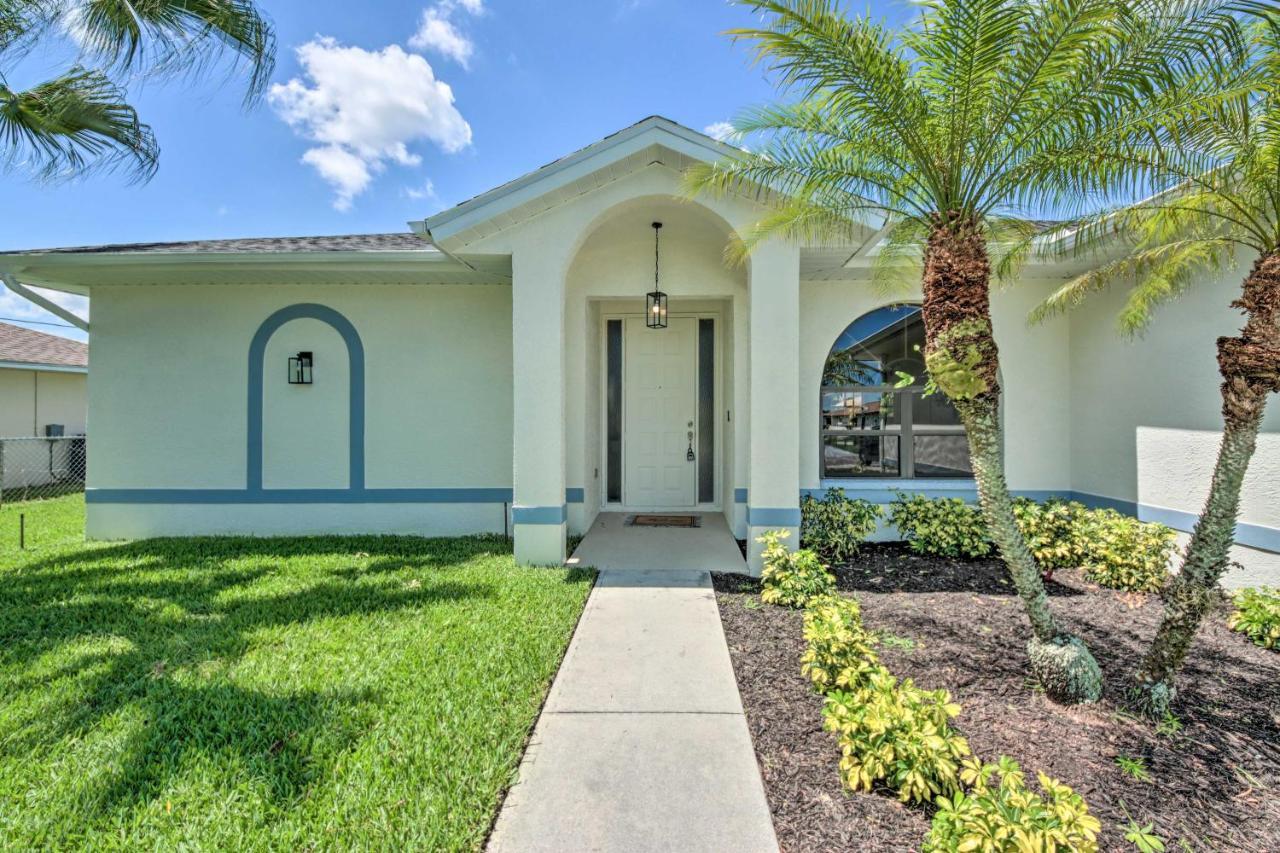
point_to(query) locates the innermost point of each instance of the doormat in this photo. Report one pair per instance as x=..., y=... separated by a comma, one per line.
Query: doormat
x=665, y=521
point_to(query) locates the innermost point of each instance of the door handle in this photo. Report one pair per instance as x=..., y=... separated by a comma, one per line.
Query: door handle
x=689, y=456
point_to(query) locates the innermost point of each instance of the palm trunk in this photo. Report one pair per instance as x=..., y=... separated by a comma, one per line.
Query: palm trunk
x=964, y=362
x=1250, y=367
x=982, y=426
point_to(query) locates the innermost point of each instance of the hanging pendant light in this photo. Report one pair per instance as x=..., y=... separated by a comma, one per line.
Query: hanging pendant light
x=655, y=315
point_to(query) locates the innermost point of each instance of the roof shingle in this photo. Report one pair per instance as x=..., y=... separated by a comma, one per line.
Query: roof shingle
x=30, y=347
x=405, y=241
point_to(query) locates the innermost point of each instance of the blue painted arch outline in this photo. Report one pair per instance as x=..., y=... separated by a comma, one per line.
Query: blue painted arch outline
x=355, y=406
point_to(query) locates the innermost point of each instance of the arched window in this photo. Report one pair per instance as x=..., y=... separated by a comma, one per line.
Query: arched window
x=870, y=428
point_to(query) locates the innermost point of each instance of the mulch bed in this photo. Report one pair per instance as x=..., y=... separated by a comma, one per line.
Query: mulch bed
x=1214, y=783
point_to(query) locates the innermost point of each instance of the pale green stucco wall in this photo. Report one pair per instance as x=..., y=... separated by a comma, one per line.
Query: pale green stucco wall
x=170, y=402
x=1145, y=413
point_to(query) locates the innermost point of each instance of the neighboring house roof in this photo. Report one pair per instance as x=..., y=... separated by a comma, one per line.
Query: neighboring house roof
x=403, y=242
x=20, y=347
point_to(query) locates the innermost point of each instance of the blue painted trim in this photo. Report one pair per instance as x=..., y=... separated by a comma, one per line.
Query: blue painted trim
x=889, y=484
x=1101, y=502
x=297, y=496
x=1252, y=535
x=539, y=514
x=886, y=495
x=1257, y=536
x=883, y=491
x=740, y=496
x=355, y=407
x=1044, y=494
x=575, y=496
x=768, y=516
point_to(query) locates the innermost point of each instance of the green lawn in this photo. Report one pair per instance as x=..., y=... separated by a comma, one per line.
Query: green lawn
x=330, y=693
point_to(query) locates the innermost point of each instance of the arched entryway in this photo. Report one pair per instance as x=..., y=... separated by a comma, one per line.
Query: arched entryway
x=648, y=413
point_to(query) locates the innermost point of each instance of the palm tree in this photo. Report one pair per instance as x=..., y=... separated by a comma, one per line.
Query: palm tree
x=1223, y=163
x=946, y=133
x=80, y=119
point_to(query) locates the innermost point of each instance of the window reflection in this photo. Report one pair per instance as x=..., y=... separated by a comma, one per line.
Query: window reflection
x=860, y=456
x=876, y=420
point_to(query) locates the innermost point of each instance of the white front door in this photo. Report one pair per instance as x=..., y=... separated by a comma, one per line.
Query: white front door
x=660, y=406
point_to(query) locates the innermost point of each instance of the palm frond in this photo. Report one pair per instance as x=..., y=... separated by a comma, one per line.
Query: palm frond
x=897, y=263
x=801, y=222
x=1012, y=241
x=175, y=36
x=1158, y=274
x=852, y=65
x=1100, y=110
x=74, y=123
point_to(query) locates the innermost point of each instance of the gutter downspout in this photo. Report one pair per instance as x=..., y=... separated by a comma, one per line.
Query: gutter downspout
x=11, y=282
x=419, y=227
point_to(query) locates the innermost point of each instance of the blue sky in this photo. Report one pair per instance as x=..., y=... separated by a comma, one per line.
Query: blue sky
x=359, y=132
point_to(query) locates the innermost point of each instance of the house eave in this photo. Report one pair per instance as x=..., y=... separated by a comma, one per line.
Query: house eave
x=78, y=273
x=42, y=368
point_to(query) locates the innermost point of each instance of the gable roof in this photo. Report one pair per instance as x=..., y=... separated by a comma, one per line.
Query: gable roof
x=21, y=346
x=599, y=157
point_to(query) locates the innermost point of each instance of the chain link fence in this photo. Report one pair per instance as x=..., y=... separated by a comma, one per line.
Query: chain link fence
x=35, y=468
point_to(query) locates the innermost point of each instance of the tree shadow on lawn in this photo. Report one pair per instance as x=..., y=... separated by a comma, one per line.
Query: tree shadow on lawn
x=183, y=613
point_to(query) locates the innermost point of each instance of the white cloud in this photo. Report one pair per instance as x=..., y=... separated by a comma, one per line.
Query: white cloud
x=363, y=109
x=426, y=190
x=438, y=30
x=438, y=33
x=13, y=305
x=720, y=130
x=347, y=173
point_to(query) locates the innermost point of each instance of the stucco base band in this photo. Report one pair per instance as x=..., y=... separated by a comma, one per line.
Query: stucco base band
x=139, y=521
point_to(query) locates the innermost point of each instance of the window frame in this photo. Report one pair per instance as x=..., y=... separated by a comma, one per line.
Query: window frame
x=905, y=431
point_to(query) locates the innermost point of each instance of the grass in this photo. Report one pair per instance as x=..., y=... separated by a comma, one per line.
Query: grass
x=369, y=692
x=1133, y=767
x=52, y=525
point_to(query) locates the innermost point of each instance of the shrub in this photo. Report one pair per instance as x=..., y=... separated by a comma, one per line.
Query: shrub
x=1125, y=553
x=791, y=578
x=1009, y=817
x=946, y=527
x=1053, y=532
x=1257, y=616
x=839, y=652
x=836, y=525
x=896, y=733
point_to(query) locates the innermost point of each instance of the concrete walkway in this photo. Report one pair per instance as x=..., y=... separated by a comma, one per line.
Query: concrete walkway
x=643, y=744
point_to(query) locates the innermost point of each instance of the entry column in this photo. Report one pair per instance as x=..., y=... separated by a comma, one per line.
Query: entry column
x=773, y=497
x=537, y=315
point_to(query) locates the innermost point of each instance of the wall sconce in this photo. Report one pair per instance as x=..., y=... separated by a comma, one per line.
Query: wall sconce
x=300, y=369
x=655, y=314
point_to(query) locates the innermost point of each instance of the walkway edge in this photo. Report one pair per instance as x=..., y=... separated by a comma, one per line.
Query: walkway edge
x=623, y=759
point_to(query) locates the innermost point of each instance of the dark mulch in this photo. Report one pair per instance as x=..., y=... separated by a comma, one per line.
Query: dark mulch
x=1215, y=783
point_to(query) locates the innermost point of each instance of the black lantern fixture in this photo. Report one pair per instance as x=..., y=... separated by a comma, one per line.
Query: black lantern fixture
x=655, y=315
x=300, y=369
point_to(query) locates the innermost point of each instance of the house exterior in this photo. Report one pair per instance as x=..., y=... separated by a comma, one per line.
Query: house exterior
x=492, y=367
x=43, y=389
